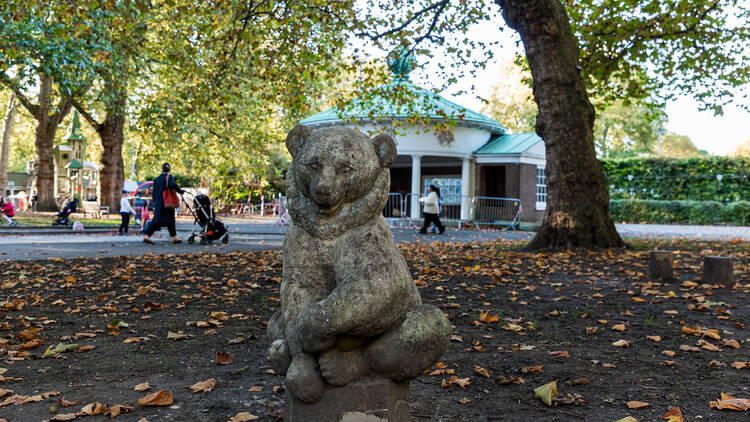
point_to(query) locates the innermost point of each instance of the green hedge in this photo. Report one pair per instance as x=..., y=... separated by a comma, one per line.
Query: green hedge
x=680, y=212
x=694, y=179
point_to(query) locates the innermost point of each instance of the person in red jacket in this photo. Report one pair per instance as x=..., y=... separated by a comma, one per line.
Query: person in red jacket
x=6, y=207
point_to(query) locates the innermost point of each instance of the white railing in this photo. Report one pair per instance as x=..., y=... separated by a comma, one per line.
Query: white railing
x=402, y=210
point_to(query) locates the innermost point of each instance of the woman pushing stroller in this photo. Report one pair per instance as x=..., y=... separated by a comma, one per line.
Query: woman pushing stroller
x=163, y=216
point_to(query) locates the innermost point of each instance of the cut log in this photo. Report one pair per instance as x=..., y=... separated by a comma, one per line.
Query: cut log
x=660, y=265
x=717, y=269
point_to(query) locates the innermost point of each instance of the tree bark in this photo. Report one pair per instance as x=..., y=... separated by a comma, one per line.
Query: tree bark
x=46, y=128
x=112, y=134
x=577, y=213
x=10, y=112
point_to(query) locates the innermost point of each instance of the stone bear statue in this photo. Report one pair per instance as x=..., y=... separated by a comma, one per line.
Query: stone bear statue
x=349, y=307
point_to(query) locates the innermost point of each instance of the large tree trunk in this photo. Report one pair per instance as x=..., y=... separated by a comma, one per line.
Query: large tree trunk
x=577, y=212
x=10, y=112
x=46, y=128
x=112, y=134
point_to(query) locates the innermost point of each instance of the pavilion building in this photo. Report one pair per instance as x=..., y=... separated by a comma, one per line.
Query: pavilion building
x=464, y=153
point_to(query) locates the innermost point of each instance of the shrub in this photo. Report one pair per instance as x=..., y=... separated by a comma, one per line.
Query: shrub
x=680, y=212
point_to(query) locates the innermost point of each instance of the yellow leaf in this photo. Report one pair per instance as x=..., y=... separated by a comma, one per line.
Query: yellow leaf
x=547, y=392
x=673, y=415
x=627, y=419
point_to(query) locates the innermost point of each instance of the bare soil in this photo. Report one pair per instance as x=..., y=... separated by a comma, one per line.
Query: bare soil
x=578, y=302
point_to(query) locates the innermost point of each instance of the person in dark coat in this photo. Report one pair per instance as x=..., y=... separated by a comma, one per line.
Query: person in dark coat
x=163, y=216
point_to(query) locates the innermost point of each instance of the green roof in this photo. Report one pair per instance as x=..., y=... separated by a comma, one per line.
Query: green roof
x=74, y=164
x=390, y=102
x=517, y=143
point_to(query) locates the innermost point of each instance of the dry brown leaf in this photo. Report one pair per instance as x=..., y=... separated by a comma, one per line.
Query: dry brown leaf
x=481, y=371
x=464, y=400
x=560, y=354
x=159, y=398
x=64, y=417
x=633, y=404
x=736, y=365
x=686, y=348
x=94, y=408
x=223, y=358
x=203, y=386
x=64, y=403
x=118, y=409
x=654, y=338
x=732, y=343
x=618, y=327
x=731, y=403
x=527, y=369
x=255, y=388
x=243, y=417
x=142, y=387
x=486, y=317
x=507, y=381
x=668, y=353
x=673, y=415
x=621, y=343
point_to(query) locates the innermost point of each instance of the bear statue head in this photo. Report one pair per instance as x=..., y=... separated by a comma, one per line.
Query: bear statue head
x=337, y=173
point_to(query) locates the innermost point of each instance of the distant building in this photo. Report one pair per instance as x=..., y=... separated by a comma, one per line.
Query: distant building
x=18, y=182
x=479, y=157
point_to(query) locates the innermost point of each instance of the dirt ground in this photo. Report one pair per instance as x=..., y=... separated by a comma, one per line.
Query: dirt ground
x=521, y=320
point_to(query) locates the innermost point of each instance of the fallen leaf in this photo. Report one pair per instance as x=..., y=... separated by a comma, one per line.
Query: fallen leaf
x=627, y=419
x=64, y=403
x=731, y=403
x=64, y=417
x=255, y=388
x=673, y=415
x=159, y=398
x=668, y=353
x=142, y=387
x=176, y=336
x=618, y=327
x=464, y=400
x=223, y=358
x=654, y=338
x=686, y=348
x=527, y=369
x=621, y=343
x=203, y=386
x=732, y=343
x=94, y=408
x=741, y=365
x=546, y=392
x=481, y=371
x=486, y=317
x=560, y=354
x=633, y=404
x=513, y=380
x=243, y=417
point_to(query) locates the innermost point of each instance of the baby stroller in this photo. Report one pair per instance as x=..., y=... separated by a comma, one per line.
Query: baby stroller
x=63, y=217
x=211, y=227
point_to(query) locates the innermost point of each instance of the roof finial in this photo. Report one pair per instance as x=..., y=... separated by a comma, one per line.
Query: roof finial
x=75, y=127
x=401, y=61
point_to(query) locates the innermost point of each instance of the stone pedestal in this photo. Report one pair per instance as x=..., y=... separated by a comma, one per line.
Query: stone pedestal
x=372, y=399
x=660, y=265
x=717, y=269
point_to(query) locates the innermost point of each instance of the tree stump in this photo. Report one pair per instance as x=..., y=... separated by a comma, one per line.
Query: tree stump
x=717, y=269
x=371, y=399
x=660, y=265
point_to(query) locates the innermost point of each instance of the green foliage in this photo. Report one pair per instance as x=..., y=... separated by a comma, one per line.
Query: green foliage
x=680, y=212
x=694, y=179
x=648, y=49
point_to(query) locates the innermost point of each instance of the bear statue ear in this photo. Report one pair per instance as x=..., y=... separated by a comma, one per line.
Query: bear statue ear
x=297, y=138
x=385, y=147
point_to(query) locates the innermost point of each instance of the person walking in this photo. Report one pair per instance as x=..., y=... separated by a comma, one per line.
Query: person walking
x=125, y=210
x=430, y=210
x=163, y=216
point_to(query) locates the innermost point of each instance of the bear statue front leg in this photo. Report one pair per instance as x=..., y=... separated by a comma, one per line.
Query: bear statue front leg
x=344, y=362
x=303, y=378
x=314, y=329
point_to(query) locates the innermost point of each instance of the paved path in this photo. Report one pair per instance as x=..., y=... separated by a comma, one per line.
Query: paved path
x=667, y=231
x=243, y=235
x=258, y=235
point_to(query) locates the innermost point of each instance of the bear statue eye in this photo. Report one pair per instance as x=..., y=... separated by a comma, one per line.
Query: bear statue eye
x=314, y=165
x=345, y=169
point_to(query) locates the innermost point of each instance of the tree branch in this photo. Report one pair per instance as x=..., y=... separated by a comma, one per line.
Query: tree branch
x=439, y=6
x=86, y=115
x=13, y=85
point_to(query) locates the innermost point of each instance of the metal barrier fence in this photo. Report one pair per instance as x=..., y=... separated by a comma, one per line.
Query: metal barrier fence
x=478, y=210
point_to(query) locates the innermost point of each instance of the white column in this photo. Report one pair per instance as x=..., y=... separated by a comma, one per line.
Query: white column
x=416, y=185
x=465, y=185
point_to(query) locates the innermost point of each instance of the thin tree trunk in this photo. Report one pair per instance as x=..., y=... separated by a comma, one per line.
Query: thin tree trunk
x=577, y=213
x=10, y=112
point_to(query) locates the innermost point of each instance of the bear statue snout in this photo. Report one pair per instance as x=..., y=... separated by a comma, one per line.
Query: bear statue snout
x=325, y=196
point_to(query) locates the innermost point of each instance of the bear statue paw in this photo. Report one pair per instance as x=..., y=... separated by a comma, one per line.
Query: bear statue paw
x=279, y=357
x=314, y=343
x=304, y=381
x=340, y=368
